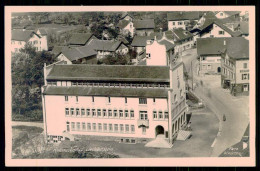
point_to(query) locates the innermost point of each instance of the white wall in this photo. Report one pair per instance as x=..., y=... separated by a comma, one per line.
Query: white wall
x=16, y=45
x=215, y=32
x=175, y=24
x=241, y=70
x=157, y=54
x=61, y=57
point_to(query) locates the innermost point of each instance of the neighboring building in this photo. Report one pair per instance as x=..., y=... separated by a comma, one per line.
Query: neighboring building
x=108, y=47
x=235, y=66
x=81, y=39
x=83, y=54
x=58, y=49
x=139, y=43
x=209, y=51
x=126, y=16
x=226, y=14
x=144, y=27
x=123, y=103
x=126, y=27
x=21, y=37
x=183, y=40
x=179, y=19
x=243, y=27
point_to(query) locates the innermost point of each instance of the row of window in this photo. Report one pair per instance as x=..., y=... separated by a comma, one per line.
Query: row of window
x=228, y=73
x=105, y=127
x=98, y=112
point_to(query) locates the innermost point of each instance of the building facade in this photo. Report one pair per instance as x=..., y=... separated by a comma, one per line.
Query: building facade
x=125, y=103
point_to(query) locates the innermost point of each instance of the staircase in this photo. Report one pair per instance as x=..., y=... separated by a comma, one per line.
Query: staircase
x=159, y=142
x=183, y=135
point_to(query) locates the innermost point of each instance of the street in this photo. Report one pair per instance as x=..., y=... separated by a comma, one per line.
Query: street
x=220, y=102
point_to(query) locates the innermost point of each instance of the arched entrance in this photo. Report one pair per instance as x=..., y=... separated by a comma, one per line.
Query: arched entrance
x=159, y=130
x=219, y=69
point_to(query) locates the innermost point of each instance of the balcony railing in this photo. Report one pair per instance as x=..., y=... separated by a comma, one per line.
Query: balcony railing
x=143, y=123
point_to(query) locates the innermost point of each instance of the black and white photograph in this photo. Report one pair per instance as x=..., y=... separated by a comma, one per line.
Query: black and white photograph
x=110, y=83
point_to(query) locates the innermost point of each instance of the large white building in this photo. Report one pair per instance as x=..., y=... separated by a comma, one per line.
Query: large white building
x=124, y=103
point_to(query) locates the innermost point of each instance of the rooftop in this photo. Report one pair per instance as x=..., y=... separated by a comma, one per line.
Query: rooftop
x=106, y=91
x=22, y=35
x=210, y=46
x=178, y=15
x=140, y=41
x=109, y=73
x=80, y=38
x=79, y=52
x=238, y=48
x=180, y=34
x=123, y=23
x=144, y=24
x=105, y=45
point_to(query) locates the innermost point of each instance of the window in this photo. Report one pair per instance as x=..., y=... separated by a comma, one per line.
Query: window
x=245, y=65
x=72, y=126
x=67, y=111
x=203, y=66
x=77, y=99
x=126, y=128
x=142, y=101
x=100, y=127
x=93, y=99
x=245, y=87
x=104, y=112
x=121, y=113
x=126, y=113
x=160, y=115
x=132, y=114
x=77, y=112
x=99, y=112
x=173, y=23
x=143, y=115
x=116, y=127
x=244, y=76
x=121, y=128
x=82, y=112
x=110, y=113
x=78, y=125
x=221, y=32
x=105, y=127
x=89, y=126
x=94, y=126
x=110, y=127
x=109, y=100
x=144, y=130
x=93, y=112
x=88, y=112
x=154, y=100
x=66, y=98
x=132, y=128
x=166, y=115
x=148, y=55
x=72, y=111
x=154, y=114
x=83, y=126
x=180, y=23
x=125, y=99
x=115, y=113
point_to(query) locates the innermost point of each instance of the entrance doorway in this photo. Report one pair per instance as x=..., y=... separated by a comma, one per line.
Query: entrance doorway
x=219, y=70
x=159, y=130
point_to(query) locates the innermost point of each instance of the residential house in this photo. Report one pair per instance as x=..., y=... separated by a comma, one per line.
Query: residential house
x=144, y=27
x=58, y=49
x=81, y=39
x=126, y=27
x=108, y=47
x=209, y=51
x=127, y=104
x=139, y=43
x=226, y=14
x=235, y=66
x=179, y=19
x=126, y=16
x=83, y=54
x=183, y=40
x=21, y=37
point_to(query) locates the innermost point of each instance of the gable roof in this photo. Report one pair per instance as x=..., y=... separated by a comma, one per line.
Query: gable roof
x=140, y=41
x=109, y=73
x=211, y=46
x=244, y=27
x=104, y=45
x=238, y=48
x=230, y=19
x=178, y=15
x=144, y=24
x=123, y=23
x=58, y=49
x=23, y=35
x=79, y=52
x=167, y=44
x=80, y=38
x=125, y=14
x=180, y=34
x=232, y=12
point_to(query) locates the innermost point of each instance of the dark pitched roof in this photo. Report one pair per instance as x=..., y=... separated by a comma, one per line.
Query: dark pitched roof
x=232, y=12
x=144, y=24
x=125, y=14
x=178, y=15
x=140, y=41
x=210, y=46
x=180, y=34
x=109, y=72
x=79, y=52
x=167, y=44
x=22, y=35
x=80, y=38
x=105, y=45
x=58, y=49
x=238, y=48
x=106, y=91
x=231, y=19
x=157, y=34
x=123, y=23
x=43, y=31
x=244, y=27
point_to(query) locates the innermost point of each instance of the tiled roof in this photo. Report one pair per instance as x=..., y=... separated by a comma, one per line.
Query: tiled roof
x=144, y=24
x=22, y=35
x=58, y=49
x=80, y=38
x=180, y=34
x=140, y=41
x=106, y=91
x=244, y=27
x=79, y=52
x=231, y=19
x=167, y=44
x=178, y=15
x=238, y=48
x=109, y=73
x=105, y=45
x=123, y=23
x=43, y=31
x=232, y=12
x=210, y=46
